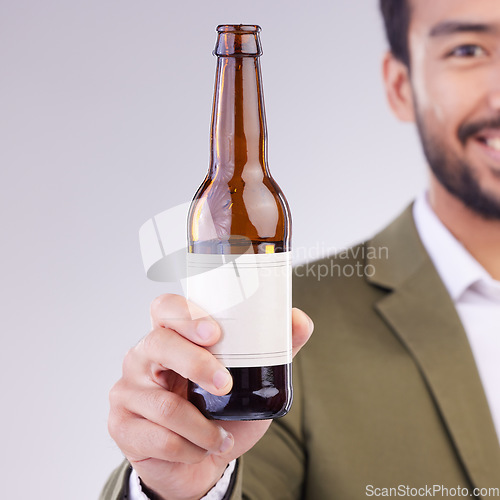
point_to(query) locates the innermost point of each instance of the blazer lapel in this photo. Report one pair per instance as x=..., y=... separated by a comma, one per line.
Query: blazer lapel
x=420, y=312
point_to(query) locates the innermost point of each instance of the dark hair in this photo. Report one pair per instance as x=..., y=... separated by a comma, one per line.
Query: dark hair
x=396, y=14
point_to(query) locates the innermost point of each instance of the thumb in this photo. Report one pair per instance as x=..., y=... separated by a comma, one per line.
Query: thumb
x=302, y=328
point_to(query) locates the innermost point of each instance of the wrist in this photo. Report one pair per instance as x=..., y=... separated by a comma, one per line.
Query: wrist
x=219, y=489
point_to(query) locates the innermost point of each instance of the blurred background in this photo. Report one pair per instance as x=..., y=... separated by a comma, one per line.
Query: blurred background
x=104, y=122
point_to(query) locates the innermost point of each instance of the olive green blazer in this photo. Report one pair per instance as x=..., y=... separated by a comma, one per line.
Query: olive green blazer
x=386, y=392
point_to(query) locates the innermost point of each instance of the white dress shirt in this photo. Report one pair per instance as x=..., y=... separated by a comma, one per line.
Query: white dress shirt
x=476, y=296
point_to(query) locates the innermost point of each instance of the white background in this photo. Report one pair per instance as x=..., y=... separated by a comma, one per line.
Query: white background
x=104, y=122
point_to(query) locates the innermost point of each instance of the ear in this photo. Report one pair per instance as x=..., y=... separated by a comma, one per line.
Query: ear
x=398, y=88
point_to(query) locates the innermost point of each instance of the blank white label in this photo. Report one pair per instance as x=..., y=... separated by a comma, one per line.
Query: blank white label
x=250, y=296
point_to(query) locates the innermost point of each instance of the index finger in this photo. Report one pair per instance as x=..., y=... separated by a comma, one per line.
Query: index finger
x=186, y=318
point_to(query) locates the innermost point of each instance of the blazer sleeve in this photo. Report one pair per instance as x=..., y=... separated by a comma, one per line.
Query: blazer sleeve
x=116, y=487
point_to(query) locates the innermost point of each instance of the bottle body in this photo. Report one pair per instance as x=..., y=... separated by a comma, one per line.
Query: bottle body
x=239, y=232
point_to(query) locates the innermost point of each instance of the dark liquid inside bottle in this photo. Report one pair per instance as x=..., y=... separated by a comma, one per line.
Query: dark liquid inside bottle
x=258, y=393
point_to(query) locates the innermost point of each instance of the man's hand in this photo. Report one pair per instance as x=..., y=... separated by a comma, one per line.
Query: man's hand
x=177, y=452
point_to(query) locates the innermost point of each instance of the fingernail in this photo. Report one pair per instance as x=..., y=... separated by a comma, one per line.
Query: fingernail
x=205, y=330
x=227, y=442
x=221, y=378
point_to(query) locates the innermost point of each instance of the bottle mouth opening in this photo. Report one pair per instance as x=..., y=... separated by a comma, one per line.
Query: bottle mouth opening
x=243, y=29
x=238, y=40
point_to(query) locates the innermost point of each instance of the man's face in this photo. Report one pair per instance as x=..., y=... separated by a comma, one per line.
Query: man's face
x=455, y=79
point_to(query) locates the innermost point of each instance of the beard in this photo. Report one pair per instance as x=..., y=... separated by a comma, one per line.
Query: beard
x=456, y=175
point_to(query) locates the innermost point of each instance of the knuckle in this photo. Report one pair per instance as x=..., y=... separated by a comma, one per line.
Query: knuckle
x=166, y=405
x=129, y=360
x=115, y=394
x=151, y=342
x=164, y=303
x=171, y=443
x=158, y=303
x=117, y=427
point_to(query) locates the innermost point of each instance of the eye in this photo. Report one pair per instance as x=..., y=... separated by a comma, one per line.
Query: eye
x=468, y=50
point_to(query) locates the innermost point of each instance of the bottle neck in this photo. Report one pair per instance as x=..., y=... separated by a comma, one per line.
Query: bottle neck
x=239, y=135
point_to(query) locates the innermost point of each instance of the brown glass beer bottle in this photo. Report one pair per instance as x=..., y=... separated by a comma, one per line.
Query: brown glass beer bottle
x=239, y=231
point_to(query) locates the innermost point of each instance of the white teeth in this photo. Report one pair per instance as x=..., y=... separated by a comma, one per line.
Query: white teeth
x=494, y=143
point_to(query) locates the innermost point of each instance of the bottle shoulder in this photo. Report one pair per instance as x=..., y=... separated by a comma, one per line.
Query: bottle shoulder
x=253, y=207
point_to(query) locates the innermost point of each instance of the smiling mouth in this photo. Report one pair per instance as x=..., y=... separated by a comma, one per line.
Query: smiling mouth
x=489, y=148
x=491, y=142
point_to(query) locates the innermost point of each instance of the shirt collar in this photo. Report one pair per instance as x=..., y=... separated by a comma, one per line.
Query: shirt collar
x=457, y=268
